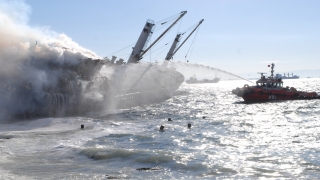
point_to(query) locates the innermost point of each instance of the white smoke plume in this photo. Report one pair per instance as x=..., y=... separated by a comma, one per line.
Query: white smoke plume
x=20, y=42
x=32, y=57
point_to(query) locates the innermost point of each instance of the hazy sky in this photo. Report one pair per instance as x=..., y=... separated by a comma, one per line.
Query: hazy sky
x=236, y=35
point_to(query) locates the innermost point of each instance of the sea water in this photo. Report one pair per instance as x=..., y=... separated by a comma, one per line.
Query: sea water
x=228, y=139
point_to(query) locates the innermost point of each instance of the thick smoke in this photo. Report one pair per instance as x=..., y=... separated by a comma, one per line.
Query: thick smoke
x=33, y=58
x=21, y=45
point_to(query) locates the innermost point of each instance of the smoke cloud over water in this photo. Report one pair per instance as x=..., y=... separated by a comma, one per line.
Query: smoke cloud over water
x=33, y=58
x=20, y=43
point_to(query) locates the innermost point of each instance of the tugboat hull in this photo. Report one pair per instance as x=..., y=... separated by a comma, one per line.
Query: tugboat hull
x=259, y=95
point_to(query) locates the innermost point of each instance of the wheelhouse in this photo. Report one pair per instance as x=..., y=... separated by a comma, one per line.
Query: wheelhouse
x=270, y=84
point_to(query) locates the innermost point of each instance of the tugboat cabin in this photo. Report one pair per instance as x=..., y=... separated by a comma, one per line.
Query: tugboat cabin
x=269, y=83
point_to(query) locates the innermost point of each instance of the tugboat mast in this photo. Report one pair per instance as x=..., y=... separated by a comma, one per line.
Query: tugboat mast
x=272, y=66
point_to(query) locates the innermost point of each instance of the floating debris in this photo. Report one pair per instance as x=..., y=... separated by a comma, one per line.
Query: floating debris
x=148, y=169
x=111, y=177
x=161, y=128
x=189, y=125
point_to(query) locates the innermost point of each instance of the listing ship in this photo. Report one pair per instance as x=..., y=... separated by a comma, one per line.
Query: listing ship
x=80, y=87
x=194, y=80
x=279, y=76
x=271, y=88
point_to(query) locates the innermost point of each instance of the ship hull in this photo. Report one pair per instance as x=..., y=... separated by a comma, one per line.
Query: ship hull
x=85, y=91
x=139, y=84
x=271, y=97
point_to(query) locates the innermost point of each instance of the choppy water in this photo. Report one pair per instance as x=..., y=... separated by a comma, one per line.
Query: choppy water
x=278, y=139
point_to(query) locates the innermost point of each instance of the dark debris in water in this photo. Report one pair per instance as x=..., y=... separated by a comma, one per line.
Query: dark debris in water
x=161, y=128
x=148, y=169
x=6, y=136
x=111, y=177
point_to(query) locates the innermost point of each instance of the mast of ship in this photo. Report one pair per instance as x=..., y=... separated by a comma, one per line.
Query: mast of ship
x=175, y=43
x=173, y=46
x=174, y=50
x=142, y=41
x=138, y=51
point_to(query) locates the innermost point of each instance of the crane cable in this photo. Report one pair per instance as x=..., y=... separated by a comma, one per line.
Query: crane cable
x=122, y=49
x=163, y=21
x=166, y=21
x=165, y=36
x=190, y=28
x=192, y=45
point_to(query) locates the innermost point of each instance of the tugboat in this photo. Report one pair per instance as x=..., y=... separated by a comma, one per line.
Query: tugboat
x=271, y=88
x=193, y=80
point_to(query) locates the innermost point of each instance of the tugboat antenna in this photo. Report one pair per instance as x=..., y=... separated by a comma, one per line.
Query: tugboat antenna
x=272, y=66
x=261, y=74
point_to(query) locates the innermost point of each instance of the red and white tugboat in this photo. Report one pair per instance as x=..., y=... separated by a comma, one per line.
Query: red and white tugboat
x=271, y=88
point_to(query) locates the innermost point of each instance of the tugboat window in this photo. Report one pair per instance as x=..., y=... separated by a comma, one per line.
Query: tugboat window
x=269, y=85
